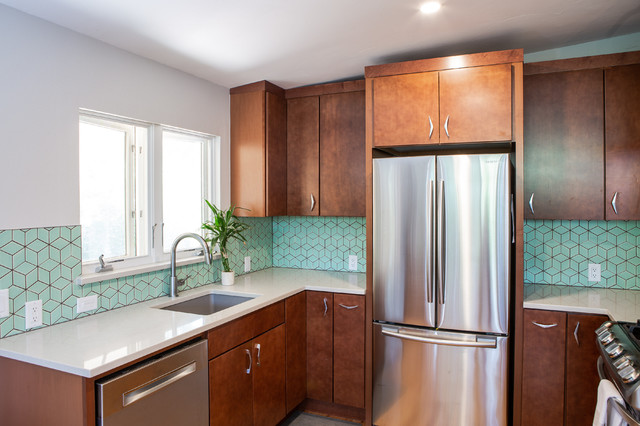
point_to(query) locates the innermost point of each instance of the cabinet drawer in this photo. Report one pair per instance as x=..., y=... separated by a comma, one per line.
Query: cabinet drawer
x=238, y=331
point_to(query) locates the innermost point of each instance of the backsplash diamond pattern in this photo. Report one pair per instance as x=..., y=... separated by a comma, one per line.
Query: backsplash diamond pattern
x=558, y=252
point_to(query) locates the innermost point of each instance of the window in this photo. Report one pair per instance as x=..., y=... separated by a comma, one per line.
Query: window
x=126, y=169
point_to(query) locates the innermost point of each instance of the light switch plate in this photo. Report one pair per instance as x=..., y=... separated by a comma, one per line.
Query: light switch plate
x=353, y=262
x=33, y=313
x=247, y=263
x=4, y=303
x=89, y=303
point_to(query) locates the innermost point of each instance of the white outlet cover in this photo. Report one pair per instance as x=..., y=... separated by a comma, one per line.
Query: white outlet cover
x=353, y=262
x=33, y=313
x=594, y=272
x=4, y=303
x=89, y=303
x=247, y=263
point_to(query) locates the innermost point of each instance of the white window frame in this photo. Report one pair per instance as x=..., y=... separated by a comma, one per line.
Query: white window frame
x=156, y=258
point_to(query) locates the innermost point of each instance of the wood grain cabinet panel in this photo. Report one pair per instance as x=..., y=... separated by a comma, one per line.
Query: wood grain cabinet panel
x=269, y=406
x=622, y=106
x=303, y=156
x=348, y=350
x=296, y=349
x=320, y=346
x=564, y=149
x=406, y=109
x=342, y=154
x=258, y=149
x=475, y=104
x=582, y=375
x=543, y=374
x=231, y=388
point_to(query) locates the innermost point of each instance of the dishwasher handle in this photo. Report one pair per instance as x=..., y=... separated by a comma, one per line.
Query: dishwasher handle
x=154, y=386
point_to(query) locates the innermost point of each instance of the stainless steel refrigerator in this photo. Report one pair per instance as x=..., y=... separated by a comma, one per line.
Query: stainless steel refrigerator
x=441, y=266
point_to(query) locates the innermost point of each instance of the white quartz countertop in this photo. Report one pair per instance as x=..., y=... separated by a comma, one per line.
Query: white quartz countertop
x=99, y=343
x=618, y=304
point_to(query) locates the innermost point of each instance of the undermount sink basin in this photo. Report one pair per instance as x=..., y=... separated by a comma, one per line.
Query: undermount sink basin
x=208, y=304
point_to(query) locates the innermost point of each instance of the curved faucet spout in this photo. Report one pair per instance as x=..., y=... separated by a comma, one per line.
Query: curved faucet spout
x=174, y=246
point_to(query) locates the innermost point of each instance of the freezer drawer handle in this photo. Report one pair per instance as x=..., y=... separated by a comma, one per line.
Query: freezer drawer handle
x=347, y=307
x=544, y=325
x=480, y=343
x=169, y=378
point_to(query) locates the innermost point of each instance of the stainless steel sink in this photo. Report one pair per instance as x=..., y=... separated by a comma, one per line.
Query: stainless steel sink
x=208, y=304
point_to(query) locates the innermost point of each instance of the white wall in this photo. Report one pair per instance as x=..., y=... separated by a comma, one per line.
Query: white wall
x=46, y=74
x=626, y=43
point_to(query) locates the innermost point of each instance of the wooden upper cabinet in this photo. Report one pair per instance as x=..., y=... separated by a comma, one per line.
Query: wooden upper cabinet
x=475, y=104
x=342, y=154
x=303, y=156
x=622, y=105
x=564, y=145
x=405, y=109
x=258, y=149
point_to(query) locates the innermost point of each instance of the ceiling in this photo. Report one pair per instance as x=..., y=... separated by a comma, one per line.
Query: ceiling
x=299, y=42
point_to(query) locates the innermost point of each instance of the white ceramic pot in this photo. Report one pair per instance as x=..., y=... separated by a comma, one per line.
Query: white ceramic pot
x=227, y=277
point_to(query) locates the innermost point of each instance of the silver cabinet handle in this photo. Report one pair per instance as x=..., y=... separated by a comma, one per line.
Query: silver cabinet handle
x=575, y=333
x=543, y=325
x=139, y=393
x=446, y=126
x=531, y=203
x=430, y=127
x=313, y=203
x=348, y=307
x=441, y=245
x=613, y=203
x=481, y=342
x=248, y=352
x=430, y=256
x=257, y=346
x=325, y=307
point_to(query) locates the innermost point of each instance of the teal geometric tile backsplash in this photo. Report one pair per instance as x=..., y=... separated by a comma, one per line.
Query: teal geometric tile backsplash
x=558, y=252
x=319, y=242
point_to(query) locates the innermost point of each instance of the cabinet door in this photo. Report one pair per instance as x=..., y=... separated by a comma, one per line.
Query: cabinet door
x=622, y=106
x=348, y=350
x=276, y=156
x=320, y=346
x=582, y=375
x=405, y=109
x=564, y=149
x=230, y=387
x=342, y=154
x=543, y=367
x=475, y=104
x=303, y=151
x=296, y=348
x=269, y=377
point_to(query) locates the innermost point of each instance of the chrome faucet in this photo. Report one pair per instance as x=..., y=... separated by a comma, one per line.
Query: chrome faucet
x=207, y=256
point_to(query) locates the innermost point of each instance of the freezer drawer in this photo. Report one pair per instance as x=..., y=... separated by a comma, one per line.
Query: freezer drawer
x=427, y=377
x=169, y=390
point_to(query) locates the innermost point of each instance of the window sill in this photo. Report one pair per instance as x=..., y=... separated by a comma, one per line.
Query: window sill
x=150, y=267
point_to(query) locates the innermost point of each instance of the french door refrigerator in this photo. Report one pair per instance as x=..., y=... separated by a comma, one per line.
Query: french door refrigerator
x=441, y=266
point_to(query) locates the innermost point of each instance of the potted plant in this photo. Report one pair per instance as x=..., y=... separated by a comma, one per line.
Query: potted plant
x=223, y=227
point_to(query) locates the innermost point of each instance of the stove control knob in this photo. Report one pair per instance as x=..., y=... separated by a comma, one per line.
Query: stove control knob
x=622, y=362
x=629, y=374
x=614, y=350
x=606, y=338
x=604, y=327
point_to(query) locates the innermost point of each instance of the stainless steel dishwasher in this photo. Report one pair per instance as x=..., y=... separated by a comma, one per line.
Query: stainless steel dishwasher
x=171, y=389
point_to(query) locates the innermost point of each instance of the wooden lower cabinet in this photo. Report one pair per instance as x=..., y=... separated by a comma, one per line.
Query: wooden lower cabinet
x=269, y=405
x=348, y=350
x=320, y=346
x=296, y=349
x=559, y=376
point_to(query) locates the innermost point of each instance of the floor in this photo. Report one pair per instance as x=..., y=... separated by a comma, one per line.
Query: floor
x=305, y=419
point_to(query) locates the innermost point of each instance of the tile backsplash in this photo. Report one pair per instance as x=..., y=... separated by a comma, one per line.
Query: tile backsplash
x=558, y=252
x=42, y=263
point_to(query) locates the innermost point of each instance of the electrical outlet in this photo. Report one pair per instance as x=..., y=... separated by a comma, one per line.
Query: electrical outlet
x=4, y=303
x=247, y=263
x=353, y=262
x=89, y=303
x=33, y=313
x=594, y=272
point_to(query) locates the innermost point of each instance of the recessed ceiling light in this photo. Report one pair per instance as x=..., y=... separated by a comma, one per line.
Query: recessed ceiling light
x=430, y=7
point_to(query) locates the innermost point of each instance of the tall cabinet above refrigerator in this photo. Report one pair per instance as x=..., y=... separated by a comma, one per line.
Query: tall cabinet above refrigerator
x=441, y=278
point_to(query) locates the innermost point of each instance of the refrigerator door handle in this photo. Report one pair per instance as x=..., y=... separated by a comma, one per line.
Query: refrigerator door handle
x=441, y=245
x=480, y=342
x=430, y=252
